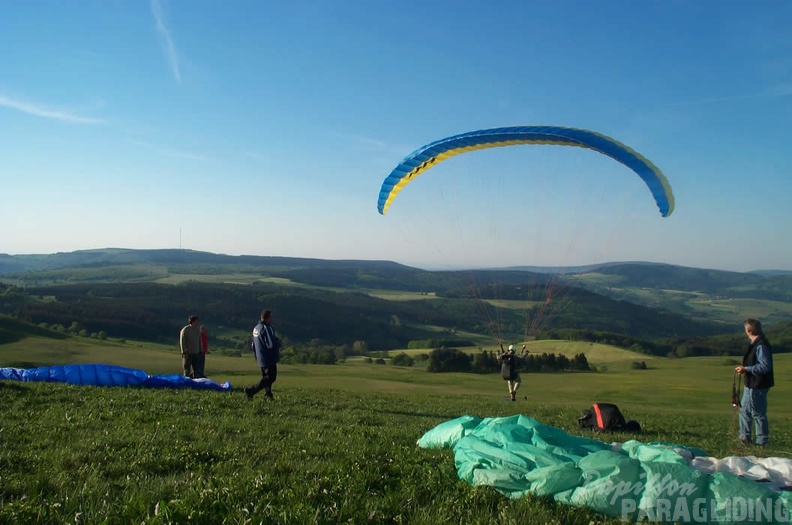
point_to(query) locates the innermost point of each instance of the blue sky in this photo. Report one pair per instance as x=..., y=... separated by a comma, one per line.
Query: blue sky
x=267, y=128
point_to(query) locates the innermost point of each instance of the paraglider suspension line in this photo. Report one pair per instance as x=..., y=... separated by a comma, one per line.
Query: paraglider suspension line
x=736, y=395
x=736, y=386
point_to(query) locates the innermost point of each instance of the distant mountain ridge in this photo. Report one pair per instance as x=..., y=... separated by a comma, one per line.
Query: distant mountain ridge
x=10, y=264
x=617, y=280
x=586, y=268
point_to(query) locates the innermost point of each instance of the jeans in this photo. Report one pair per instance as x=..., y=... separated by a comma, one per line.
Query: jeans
x=753, y=409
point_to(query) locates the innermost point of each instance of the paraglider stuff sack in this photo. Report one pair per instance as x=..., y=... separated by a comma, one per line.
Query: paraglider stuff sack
x=604, y=417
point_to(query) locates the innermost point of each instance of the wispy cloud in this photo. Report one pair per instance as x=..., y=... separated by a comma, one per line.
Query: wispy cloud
x=167, y=41
x=165, y=150
x=781, y=90
x=387, y=148
x=45, y=112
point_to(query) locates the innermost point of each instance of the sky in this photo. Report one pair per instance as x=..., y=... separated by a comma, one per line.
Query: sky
x=267, y=128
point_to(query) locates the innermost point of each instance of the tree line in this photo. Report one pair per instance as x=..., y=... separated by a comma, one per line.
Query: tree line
x=454, y=360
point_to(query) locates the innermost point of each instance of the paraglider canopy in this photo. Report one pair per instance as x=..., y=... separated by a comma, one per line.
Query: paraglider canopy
x=429, y=155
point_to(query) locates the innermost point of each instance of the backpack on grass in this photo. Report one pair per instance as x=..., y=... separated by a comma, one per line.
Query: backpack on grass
x=606, y=417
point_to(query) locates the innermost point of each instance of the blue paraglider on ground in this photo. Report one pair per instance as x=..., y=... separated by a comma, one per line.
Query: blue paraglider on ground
x=108, y=375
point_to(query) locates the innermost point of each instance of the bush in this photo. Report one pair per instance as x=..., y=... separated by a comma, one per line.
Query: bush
x=402, y=360
x=449, y=360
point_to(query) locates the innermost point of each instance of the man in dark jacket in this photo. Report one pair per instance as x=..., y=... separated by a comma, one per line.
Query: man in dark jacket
x=509, y=370
x=757, y=369
x=267, y=349
x=190, y=345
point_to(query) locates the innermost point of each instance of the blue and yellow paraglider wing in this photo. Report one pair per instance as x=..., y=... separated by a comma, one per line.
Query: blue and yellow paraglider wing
x=427, y=156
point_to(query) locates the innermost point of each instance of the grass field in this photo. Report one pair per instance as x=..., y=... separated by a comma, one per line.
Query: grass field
x=396, y=295
x=698, y=304
x=231, y=278
x=336, y=445
x=512, y=304
x=742, y=308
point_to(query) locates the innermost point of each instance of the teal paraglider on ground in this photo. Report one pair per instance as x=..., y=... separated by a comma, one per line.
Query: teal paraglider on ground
x=518, y=455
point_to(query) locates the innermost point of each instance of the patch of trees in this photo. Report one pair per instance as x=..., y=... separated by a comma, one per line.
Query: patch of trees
x=402, y=359
x=484, y=362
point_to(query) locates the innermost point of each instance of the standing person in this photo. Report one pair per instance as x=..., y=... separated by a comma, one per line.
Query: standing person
x=190, y=344
x=757, y=368
x=509, y=371
x=266, y=346
x=202, y=356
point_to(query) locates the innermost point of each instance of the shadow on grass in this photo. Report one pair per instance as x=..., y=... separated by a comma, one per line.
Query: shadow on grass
x=11, y=385
x=416, y=414
x=22, y=364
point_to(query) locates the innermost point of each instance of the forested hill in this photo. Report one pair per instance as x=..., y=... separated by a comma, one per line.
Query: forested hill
x=606, y=278
x=155, y=312
x=770, y=285
x=14, y=264
x=148, y=293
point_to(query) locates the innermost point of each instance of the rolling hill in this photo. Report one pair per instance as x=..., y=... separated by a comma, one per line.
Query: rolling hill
x=148, y=294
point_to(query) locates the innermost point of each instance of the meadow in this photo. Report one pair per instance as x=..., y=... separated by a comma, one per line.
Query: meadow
x=338, y=443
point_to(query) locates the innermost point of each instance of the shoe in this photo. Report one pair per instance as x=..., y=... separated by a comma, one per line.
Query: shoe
x=269, y=395
x=249, y=393
x=513, y=396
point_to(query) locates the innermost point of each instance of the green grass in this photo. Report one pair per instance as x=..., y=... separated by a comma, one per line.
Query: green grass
x=731, y=309
x=230, y=278
x=597, y=354
x=397, y=295
x=512, y=304
x=337, y=444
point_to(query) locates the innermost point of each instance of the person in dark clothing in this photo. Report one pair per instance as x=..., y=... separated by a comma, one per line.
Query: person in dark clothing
x=509, y=371
x=757, y=370
x=266, y=346
x=190, y=345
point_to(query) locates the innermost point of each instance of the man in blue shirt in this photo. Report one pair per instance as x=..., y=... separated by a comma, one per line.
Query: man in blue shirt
x=267, y=347
x=757, y=369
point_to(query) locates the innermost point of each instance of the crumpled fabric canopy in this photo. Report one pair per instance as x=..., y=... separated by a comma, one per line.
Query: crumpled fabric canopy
x=518, y=455
x=108, y=375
